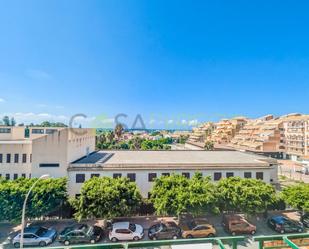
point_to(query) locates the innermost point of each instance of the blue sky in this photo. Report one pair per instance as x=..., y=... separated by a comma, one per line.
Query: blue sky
x=173, y=62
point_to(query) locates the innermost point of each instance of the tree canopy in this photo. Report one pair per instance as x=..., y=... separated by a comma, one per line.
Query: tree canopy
x=106, y=197
x=245, y=195
x=46, y=196
x=172, y=195
x=297, y=196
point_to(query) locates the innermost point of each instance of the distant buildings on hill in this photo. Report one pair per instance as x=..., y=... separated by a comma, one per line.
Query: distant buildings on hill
x=280, y=137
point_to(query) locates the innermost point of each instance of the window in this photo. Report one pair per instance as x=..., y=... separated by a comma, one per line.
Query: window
x=15, y=176
x=248, y=175
x=186, y=174
x=48, y=165
x=80, y=178
x=217, y=176
x=8, y=158
x=166, y=174
x=1, y=158
x=23, y=175
x=229, y=174
x=132, y=177
x=16, y=157
x=259, y=175
x=24, y=158
x=152, y=177
x=30, y=158
x=5, y=130
x=7, y=176
x=37, y=131
x=50, y=131
x=117, y=175
x=95, y=175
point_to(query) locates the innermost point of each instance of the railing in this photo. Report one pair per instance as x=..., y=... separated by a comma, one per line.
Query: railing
x=220, y=241
x=294, y=241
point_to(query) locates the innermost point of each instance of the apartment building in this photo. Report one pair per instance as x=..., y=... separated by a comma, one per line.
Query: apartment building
x=296, y=133
x=226, y=129
x=201, y=134
x=280, y=137
x=143, y=167
x=34, y=151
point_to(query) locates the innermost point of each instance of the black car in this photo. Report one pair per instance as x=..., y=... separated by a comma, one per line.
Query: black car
x=80, y=233
x=164, y=230
x=282, y=224
x=305, y=219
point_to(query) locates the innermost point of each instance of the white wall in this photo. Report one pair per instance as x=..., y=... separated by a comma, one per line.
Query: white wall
x=145, y=186
x=15, y=168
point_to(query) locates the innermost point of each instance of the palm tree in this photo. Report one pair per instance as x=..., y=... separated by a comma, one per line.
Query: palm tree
x=118, y=130
x=110, y=136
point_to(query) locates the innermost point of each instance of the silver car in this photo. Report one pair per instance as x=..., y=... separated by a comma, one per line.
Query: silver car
x=36, y=236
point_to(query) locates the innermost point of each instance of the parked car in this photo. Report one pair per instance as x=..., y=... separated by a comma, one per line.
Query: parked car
x=164, y=230
x=80, y=233
x=282, y=224
x=305, y=219
x=36, y=236
x=237, y=224
x=126, y=231
x=198, y=231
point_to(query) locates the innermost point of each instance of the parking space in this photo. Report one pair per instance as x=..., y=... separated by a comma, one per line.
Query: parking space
x=146, y=222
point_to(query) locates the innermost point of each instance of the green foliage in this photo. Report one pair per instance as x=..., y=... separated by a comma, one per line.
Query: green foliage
x=245, y=195
x=8, y=122
x=182, y=139
x=172, y=195
x=106, y=140
x=49, y=124
x=46, y=196
x=209, y=145
x=297, y=196
x=105, y=197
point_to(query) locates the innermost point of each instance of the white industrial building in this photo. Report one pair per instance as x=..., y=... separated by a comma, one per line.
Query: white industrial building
x=66, y=152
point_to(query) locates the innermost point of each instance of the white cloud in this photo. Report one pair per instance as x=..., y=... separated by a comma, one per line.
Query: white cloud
x=170, y=121
x=193, y=122
x=2, y=100
x=49, y=106
x=38, y=74
x=184, y=121
x=152, y=121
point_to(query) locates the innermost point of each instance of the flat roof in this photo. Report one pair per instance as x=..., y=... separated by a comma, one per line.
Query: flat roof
x=168, y=159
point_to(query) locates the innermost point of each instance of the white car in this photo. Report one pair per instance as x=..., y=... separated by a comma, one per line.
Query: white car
x=126, y=231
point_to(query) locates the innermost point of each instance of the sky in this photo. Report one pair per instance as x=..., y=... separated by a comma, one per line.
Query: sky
x=171, y=64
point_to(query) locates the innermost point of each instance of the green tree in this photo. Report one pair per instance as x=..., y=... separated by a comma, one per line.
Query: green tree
x=105, y=197
x=245, y=195
x=6, y=121
x=135, y=143
x=46, y=196
x=297, y=196
x=209, y=145
x=13, y=122
x=172, y=195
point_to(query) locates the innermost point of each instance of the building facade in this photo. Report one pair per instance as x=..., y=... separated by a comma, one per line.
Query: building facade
x=143, y=167
x=32, y=152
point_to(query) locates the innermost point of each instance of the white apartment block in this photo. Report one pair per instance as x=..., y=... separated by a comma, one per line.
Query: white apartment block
x=65, y=152
x=34, y=151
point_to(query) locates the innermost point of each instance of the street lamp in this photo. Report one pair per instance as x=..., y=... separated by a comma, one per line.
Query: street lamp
x=24, y=209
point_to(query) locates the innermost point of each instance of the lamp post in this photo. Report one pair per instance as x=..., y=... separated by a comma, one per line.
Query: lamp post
x=24, y=209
